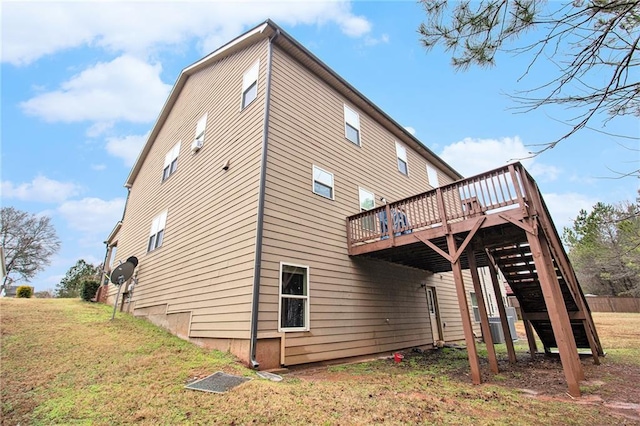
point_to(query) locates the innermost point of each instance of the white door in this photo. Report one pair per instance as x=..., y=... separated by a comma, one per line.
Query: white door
x=434, y=317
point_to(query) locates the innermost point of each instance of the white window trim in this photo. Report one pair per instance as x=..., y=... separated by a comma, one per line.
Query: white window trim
x=431, y=302
x=401, y=154
x=360, y=190
x=113, y=251
x=475, y=307
x=201, y=127
x=354, y=122
x=158, y=224
x=169, y=158
x=249, y=77
x=432, y=174
x=307, y=316
x=313, y=182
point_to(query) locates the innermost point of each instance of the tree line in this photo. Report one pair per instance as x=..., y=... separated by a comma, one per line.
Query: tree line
x=604, y=248
x=29, y=242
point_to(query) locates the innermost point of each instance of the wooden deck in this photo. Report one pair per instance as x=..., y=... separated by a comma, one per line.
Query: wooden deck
x=496, y=219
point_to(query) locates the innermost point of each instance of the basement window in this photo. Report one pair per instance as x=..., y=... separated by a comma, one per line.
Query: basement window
x=474, y=305
x=294, y=298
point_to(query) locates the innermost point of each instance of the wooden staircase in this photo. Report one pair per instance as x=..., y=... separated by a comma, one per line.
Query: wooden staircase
x=517, y=265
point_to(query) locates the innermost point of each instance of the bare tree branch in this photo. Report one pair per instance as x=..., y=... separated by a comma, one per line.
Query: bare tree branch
x=28, y=242
x=594, y=45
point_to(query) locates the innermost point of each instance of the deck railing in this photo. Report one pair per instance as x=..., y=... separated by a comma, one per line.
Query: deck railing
x=486, y=193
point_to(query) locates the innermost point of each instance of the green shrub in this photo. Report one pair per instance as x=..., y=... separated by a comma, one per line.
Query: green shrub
x=89, y=289
x=24, y=291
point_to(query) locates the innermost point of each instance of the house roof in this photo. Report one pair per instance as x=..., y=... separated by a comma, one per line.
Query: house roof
x=114, y=233
x=266, y=30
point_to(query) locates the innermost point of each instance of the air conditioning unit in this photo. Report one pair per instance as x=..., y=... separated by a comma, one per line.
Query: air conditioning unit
x=196, y=145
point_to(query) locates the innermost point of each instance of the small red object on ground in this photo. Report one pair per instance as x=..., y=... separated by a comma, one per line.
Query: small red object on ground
x=398, y=357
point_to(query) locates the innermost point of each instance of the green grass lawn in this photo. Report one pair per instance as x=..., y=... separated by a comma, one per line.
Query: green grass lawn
x=64, y=362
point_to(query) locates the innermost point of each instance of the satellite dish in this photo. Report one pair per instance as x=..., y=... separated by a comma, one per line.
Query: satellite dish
x=119, y=275
x=124, y=271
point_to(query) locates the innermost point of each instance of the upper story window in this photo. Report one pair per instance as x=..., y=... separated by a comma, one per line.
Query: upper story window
x=401, y=153
x=171, y=161
x=198, y=140
x=157, y=231
x=250, y=84
x=322, y=182
x=294, y=298
x=351, y=125
x=432, y=175
x=367, y=200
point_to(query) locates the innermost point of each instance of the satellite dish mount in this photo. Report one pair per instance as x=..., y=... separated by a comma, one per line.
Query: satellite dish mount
x=121, y=274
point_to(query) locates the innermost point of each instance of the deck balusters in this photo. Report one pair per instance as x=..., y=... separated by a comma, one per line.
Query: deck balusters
x=486, y=193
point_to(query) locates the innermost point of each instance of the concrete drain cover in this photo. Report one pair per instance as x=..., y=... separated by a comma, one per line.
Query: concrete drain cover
x=217, y=382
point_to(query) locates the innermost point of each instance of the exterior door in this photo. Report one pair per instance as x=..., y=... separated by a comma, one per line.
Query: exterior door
x=434, y=314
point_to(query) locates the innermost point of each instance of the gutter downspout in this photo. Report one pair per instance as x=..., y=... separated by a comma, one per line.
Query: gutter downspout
x=255, y=305
x=126, y=203
x=104, y=263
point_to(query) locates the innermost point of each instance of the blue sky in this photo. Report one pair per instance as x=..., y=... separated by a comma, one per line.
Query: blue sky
x=82, y=84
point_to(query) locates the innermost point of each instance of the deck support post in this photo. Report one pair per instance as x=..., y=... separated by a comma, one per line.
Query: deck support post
x=390, y=226
x=573, y=286
x=472, y=351
x=557, y=310
x=482, y=307
x=531, y=338
x=508, y=338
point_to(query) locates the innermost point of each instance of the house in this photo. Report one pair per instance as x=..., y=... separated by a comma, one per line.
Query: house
x=237, y=204
x=279, y=214
x=9, y=291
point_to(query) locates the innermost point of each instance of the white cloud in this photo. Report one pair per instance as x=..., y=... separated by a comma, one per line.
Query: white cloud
x=40, y=189
x=92, y=216
x=99, y=167
x=98, y=129
x=544, y=172
x=127, y=148
x=124, y=89
x=372, y=41
x=410, y=130
x=354, y=26
x=472, y=156
x=565, y=207
x=33, y=30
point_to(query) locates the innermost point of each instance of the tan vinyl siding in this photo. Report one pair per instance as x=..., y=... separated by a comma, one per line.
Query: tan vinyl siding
x=449, y=309
x=205, y=264
x=350, y=299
